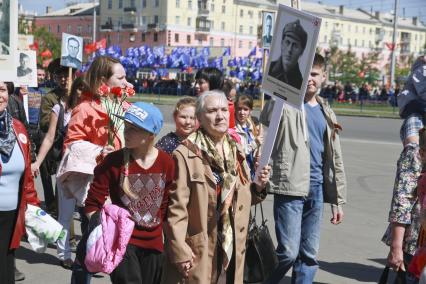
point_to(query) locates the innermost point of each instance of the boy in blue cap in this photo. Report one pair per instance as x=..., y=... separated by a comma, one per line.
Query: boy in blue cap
x=137, y=178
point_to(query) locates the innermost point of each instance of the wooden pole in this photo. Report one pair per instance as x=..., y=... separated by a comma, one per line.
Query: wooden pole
x=69, y=80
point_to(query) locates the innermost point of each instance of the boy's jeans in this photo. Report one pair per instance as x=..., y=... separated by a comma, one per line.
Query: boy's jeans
x=297, y=227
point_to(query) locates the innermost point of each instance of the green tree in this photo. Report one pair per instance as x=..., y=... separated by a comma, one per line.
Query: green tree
x=368, y=66
x=46, y=40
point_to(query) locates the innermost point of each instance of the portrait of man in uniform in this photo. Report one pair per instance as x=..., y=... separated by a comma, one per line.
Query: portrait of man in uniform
x=293, y=43
x=267, y=30
x=73, y=50
x=24, y=63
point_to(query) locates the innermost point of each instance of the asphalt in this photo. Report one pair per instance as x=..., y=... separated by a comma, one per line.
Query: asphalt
x=350, y=252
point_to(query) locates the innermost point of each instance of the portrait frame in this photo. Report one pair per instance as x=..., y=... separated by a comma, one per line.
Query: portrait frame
x=23, y=78
x=265, y=15
x=8, y=39
x=65, y=53
x=271, y=84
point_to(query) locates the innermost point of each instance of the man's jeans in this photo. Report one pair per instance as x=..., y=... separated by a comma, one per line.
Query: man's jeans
x=297, y=227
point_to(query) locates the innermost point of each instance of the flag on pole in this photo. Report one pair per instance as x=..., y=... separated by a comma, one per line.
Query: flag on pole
x=252, y=52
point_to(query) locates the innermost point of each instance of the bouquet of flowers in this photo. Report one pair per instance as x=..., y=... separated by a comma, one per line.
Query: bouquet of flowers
x=115, y=102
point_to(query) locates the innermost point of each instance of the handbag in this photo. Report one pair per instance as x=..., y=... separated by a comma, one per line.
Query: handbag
x=261, y=258
x=400, y=276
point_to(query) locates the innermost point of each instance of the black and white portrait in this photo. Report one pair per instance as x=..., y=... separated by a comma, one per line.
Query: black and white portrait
x=8, y=39
x=72, y=51
x=4, y=27
x=292, y=52
x=267, y=31
x=26, y=72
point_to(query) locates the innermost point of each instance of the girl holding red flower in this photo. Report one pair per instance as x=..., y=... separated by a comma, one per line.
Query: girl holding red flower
x=91, y=119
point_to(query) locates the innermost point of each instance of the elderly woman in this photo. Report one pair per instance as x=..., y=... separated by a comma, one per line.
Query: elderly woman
x=210, y=201
x=16, y=186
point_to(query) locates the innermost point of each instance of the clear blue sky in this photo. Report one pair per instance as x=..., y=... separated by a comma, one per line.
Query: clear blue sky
x=412, y=7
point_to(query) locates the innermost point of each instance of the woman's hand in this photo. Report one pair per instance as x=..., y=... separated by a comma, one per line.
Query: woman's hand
x=396, y=258
x=185, y=266
x=35, y=169
x=263, y=178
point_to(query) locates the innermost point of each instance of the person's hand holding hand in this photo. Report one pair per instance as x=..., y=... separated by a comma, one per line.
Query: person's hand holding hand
x=185, y=266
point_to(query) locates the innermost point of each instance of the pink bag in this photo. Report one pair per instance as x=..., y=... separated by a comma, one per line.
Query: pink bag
x=107, y=243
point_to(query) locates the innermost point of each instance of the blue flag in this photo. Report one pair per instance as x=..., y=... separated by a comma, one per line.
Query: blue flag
x=252, y=52
x=226, y=51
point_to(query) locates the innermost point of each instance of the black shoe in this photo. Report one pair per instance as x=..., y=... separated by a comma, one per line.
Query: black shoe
x=19, y=276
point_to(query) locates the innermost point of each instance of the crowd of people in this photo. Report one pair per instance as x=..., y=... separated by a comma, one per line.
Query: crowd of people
x=352, y=94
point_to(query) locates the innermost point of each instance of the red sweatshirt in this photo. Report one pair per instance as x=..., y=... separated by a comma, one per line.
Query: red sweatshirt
x=150, y=185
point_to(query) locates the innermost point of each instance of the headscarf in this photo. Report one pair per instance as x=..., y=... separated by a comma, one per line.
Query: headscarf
x=7, y=135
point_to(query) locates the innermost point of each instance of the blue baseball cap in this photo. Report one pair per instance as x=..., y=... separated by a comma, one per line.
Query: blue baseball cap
x=145, y=116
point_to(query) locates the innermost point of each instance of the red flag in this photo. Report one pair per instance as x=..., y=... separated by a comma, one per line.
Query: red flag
x=390, y=45
x=101, y=44
x=34, y=46
x=90, y=48
x=47, y=53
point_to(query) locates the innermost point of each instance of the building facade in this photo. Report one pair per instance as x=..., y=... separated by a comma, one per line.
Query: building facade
x=75, y=19
x=215, y=23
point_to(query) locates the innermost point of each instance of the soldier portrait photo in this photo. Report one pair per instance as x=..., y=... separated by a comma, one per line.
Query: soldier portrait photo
x=71, y=55
x=26, y=72
x=293, y=43
x=24, y=63
x=292, y=50
x=267, y=29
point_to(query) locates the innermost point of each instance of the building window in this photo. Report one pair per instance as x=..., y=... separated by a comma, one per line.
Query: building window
x=222, y=26
x=325, y=38
x=250, y=45
x=356, y=29
x=176, y=37
x=48, y=28
x=240, y=44
x=177, y=3
x=177, y=20
x=349, y=41
x=241, y=29
x=120, y=38
x=69, y=29
x=363, y=43
x=188, y=22
x=371, y=31
x=251, y=30
x=156, y=19
x=156, y=3
x=155, y=37
x=189, y=4
x=143, y=3
x=188, y=39
x=241, y=13
x=120, y=4
x=326, y=24
x=109, y=4
x=89, y=28
x=223, y=9
x=200, y=41
x=250, y=13
x=143, y=20
x=143, y=37
x=222, y=42
x=211, y=41
x=79, y=29
x=212, y=25
x=363, y=30
x=132, y=3
x=58, y=29
x=349, y=28
x=212, y=7
x=356, y=42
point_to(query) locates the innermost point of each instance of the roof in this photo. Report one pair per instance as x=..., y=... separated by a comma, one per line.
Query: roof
x=79, y=9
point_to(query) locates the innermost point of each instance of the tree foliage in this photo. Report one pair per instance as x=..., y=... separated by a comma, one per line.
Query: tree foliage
x=46, y=40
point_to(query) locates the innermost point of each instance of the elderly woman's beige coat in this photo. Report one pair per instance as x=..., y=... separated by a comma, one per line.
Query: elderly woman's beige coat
x=192, y=222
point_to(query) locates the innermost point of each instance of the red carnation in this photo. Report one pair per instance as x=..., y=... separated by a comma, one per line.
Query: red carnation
x=130, y=91
x=103, y=90
x=117, y=91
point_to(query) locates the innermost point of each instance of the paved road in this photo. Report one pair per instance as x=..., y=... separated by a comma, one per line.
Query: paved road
x=350, y=252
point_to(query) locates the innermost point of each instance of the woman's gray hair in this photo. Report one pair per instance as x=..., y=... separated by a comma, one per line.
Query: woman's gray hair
x=199, y=106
